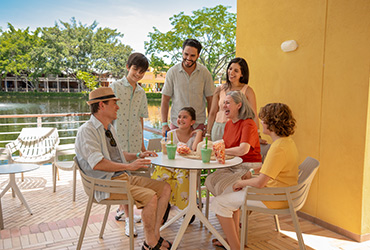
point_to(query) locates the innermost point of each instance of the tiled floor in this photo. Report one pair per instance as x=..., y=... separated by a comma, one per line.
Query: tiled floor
x=56, y=223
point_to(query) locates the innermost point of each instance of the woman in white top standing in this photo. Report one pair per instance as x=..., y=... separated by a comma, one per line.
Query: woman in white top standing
x=237, y=77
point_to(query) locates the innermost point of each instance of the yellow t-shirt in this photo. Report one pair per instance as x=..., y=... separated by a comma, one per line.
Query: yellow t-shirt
x=281, y=165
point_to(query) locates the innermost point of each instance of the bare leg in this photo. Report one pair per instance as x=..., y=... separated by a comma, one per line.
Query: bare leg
x=236, y=217
x=152, y=215
x=161, y=209
x=124, y=207
x=148, y=215
x=228, y=225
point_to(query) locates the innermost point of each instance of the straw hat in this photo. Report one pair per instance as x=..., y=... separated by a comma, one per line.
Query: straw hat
x=101, y=94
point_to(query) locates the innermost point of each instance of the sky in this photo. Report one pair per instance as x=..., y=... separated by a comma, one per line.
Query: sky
x=133, y=18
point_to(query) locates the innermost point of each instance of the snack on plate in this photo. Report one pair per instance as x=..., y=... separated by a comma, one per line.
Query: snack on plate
x=219, y=149
x=183, y=149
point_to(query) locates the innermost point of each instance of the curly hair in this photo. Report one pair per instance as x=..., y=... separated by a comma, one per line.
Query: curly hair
x=279, y=119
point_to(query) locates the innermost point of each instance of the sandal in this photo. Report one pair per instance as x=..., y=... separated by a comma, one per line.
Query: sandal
x=216, y=243
x=156, y=247
x=169, y=243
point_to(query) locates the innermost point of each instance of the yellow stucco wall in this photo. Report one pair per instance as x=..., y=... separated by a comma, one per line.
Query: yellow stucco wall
x=326, y=83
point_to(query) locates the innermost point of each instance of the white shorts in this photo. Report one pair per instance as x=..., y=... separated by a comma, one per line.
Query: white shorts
x=229, y=201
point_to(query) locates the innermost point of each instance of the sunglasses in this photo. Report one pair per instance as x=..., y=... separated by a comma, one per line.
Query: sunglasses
x=110, y=136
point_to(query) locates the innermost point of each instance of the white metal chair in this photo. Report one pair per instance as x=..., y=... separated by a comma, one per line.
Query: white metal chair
x=294, y=195
x=63, y=150
x=264, y=149
x=153, y=145
x=35, y=145
x=91, y=185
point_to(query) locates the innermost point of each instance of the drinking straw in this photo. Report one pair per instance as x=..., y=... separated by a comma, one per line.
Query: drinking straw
x=171, y=138
x=165, y=136
x=206, y=142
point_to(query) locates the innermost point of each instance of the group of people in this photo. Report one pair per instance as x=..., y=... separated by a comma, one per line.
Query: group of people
x=111, y=143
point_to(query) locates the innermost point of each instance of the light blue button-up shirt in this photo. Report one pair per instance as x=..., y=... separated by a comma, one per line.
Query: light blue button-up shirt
x=91, y=147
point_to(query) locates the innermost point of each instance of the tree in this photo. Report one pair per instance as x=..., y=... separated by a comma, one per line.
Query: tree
x=214, y=27
x=17, y=52
x=64, y=49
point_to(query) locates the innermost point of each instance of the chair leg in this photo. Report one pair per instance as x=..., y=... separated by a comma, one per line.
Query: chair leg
x=104, y=222
x=84, y=224
x=131, y=218
x=54, y=178
x=298, y=230
x=74, y=182
x=244, y=229
x=277, y=224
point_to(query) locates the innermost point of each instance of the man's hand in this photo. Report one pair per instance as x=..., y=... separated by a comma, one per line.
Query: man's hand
x=148, y=154
x=164, y=129
x=239, y=185
x=139, y=163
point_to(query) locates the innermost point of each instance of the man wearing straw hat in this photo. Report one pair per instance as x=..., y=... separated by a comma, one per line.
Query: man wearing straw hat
x=100, y=156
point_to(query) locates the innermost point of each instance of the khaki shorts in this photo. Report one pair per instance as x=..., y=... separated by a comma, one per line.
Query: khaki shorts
x=142, y=189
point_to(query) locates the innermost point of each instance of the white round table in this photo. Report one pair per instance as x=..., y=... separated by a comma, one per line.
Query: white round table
x=193, y=165
x=13, y=169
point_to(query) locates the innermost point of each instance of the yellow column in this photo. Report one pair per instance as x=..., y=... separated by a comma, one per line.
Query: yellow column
x=326, y=83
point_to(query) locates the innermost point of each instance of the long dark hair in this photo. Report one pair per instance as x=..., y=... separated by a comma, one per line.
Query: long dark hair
x=244, y=70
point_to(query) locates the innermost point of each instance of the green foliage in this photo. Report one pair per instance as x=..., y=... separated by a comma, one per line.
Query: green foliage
x=154, y=96
x=4, y=94
x=64, y=49
x=214, y=27
x=89, y=79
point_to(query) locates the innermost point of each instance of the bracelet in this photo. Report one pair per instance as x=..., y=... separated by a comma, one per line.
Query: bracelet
x=252, y=171
x=164, y=123
x=138, y=155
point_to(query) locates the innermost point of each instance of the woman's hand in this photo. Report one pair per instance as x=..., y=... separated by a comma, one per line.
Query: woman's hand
x=247, y=176
x=239, y=185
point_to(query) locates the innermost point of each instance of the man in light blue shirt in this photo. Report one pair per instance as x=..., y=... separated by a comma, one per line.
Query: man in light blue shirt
x=100, y=156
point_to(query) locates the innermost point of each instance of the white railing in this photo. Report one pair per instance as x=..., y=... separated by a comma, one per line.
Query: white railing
x=66, y=123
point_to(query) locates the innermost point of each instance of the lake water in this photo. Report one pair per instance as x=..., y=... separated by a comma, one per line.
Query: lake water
x=51, y=105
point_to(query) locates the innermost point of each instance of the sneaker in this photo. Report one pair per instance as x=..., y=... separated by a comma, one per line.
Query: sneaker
x=127, y=228
x=120, y=216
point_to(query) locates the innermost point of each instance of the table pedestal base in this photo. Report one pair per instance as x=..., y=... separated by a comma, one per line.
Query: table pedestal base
x=189, y=211
x=13, y=185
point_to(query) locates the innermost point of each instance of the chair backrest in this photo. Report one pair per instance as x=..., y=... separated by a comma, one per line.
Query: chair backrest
x=264, y=149
x=307, y=171
x=35, y=142
x=91, y=184
x=295, y=195
x=154, y=144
